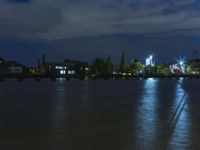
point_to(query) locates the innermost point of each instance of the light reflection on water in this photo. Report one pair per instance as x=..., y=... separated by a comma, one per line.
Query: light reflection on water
x=149, y=132
x=96, y=115
x=180, y=123
x=58, y=115
x=146, y=116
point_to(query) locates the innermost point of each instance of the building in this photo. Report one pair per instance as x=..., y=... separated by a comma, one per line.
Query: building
x=11, y=67
x=150, y=61
x=78, y=67
x=71, y=68
x=56, y=69
x=15, y=68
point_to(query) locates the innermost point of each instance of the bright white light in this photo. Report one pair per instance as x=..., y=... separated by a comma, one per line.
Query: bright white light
x=59, y=67
x=150, y=61
x=147, y=62
x=181, y=62
x=62, y=71
x=181, y=65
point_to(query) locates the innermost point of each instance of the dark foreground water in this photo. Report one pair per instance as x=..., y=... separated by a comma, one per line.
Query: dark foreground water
x=100, y=115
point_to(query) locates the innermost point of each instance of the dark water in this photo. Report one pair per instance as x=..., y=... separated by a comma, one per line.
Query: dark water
x=100, y=115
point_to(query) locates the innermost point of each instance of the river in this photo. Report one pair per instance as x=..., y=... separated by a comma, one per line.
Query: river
x=100, y=115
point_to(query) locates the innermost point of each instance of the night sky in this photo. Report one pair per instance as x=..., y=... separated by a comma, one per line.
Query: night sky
x=85, y=29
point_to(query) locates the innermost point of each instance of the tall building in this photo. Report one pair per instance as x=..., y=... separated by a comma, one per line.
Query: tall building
x=150, y=61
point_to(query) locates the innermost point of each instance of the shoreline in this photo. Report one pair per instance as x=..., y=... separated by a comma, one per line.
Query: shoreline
x=57, y=78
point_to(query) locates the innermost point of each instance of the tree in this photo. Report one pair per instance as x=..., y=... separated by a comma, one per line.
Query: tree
x=136, y=66
x=109, y=66
x=163, y=69
x=150, y=70
x=97, y=67
x=122, y=66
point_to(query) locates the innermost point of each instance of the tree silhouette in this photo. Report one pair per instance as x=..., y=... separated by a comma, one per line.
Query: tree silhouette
x=122, y=65
x=109, y=66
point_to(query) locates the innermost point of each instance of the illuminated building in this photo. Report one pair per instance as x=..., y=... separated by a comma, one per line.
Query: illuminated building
x=150, y=61
x=178, y=68
x=70, y=68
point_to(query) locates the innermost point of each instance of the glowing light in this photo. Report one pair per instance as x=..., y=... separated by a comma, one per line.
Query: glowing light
x=60, y=67
x=147, y=62
x=181, y=66
x=69, y=72
x=150, y=61
x=181, y=62
x=62, y=71
x=124, y=74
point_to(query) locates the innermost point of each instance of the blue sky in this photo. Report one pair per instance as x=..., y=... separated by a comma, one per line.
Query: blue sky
x=85, y=29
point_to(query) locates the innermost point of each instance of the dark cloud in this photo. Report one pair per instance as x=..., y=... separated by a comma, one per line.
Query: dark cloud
x=152, y=24
x=20, y=1
x=54, y=20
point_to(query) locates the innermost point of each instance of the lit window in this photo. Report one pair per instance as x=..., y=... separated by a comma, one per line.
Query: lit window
x=62, y=71
x=69, y=72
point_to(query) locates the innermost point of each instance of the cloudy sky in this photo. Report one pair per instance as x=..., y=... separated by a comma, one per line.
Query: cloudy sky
x=85, y=29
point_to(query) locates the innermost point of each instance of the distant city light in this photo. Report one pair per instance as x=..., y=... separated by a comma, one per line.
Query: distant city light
x=69, y=72
x=181, y=62
x=147, y=62
x=62, y=71
x=60, y=67
x=179, y=66
x=150, y=61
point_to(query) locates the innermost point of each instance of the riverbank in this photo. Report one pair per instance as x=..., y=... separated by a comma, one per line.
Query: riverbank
x=116, y=77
